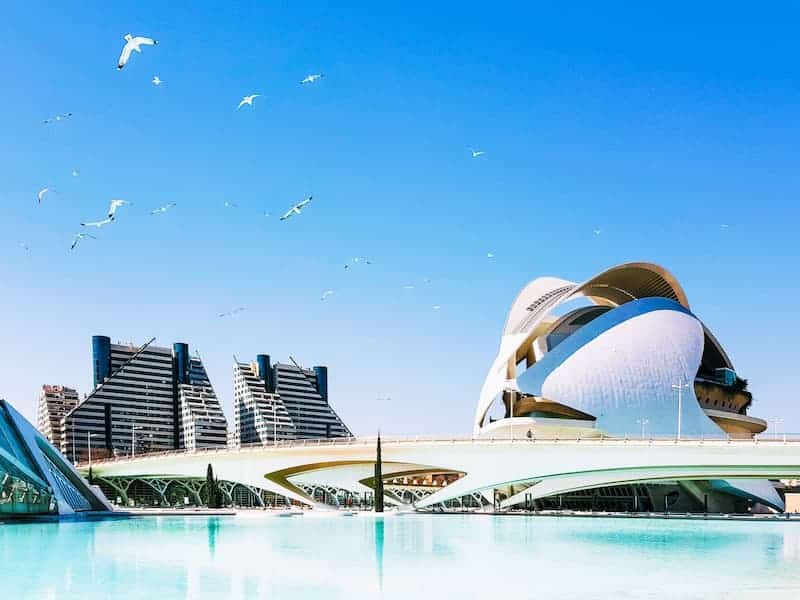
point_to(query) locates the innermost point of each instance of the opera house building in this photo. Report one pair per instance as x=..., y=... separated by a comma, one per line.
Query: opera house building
x=605, y=395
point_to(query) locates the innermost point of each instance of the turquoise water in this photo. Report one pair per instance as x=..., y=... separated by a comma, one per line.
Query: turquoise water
x=408, y=556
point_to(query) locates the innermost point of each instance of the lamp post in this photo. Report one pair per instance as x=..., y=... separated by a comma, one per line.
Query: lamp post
x=89, y=436
x=642, y=423
x=134, y=427
x=777, y=422
x=679, y=386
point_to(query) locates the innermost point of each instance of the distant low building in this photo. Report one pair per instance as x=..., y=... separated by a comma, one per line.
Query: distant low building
x=55, y=401
x=145, y=399
x=282, y=402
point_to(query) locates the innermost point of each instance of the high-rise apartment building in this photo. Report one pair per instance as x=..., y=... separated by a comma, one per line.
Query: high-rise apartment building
x=145, y=399
x=281, y=402
x=55, y=401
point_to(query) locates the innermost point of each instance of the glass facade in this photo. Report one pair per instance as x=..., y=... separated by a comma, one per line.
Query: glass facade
x=101, y=358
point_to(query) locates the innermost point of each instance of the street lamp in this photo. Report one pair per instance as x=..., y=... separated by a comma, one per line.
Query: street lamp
x=777, y=422
x=642, y=423
x=134, y=427
x=679, y=386
x=89, y=436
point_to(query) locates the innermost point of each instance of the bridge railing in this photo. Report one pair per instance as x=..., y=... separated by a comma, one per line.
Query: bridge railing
x=770, y=439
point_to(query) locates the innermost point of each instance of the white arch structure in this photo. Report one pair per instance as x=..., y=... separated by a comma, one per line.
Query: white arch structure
x=591, y=373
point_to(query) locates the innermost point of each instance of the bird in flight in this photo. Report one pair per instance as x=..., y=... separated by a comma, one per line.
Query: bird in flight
x=25, y=246
x=247, y=100
x=162, y=209
x=231, y=204
x=436, y=307
x=78, y=237
x=326, y=294
x=131, y=44
x=597, y=231
x=476, y=153
x=724, y=226
x=490, y=255
x=60, y=117
x=115, y=204
x=75, y=172
x=230, y=313
x=156, y=81
x=112, y=212
x=357, y=260
x=312, y=78
x=296, y=209
x=42, y=193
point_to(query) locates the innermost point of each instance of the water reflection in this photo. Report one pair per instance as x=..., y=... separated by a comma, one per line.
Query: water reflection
x=379, y=537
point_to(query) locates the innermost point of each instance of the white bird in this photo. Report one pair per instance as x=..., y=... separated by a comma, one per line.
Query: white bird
x=312, y=78
x=490, y=255
x=357, y=260
x=78, y=238
x=60, y=117
x=97, y=224
x=42, y=193
x=157, y=80
x=247, y=100
x=25, y=246
x=75, y=172
x=436, y=307
x=597, y=231
x=476, y=153
x=230, y=313
x=162, y=209
x=296, y=209
x=131, y=44
x=231, y=204
x=267, y=214
x=326, y=294
x=112, y=208
x=724, y=226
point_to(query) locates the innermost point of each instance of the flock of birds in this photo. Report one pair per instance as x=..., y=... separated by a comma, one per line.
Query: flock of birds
x=133, y=45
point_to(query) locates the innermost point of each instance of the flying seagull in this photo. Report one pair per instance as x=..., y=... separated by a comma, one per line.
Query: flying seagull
x=476, y=153
x=115, y=204
x=490, y=255
x=97, y=224
x=112, y=210
x=79, y=237
x=162, y=209
x=247, y=100
x=357, y=260
x=436, y=307
x=326, y=294
x=131, y=44
x=597, y=231
x=231, y=204
x=230, y=313
x=42, y=193
x=25, y=246
x=60, y=117
x=312, y=78
x=296, y=209
x=724, y=226
x=157, y=80
x=75, y=172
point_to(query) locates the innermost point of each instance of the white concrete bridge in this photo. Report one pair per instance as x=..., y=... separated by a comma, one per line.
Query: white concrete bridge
x=453, y=467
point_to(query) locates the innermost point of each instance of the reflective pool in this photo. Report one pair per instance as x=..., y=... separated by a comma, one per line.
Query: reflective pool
x=408, y=556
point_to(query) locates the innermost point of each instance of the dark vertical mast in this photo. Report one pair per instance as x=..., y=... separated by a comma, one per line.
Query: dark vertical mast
x=378, y=479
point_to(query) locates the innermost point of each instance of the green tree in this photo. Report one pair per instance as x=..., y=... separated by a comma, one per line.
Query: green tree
x=212, y=489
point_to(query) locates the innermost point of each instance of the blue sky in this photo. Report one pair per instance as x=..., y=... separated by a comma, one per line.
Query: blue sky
x=654, y=125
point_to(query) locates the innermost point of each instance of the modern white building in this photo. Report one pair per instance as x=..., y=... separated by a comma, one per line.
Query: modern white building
x=145, y=399
x=55, y=401
x=282, y=402
x=609, y=394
